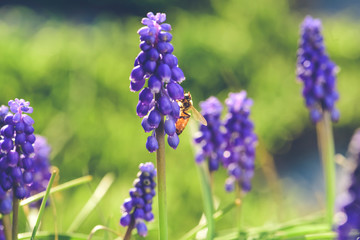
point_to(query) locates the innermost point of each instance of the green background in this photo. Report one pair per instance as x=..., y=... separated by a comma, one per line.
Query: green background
x=76, y=76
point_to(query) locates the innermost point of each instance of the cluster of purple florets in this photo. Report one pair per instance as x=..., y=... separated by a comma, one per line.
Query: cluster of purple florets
x=231, y=142
x=157, y=66
x=138, y=208
x=211, y=137
x=351, y=208
x=317, y=72
x=239, y=155
x=17, y=139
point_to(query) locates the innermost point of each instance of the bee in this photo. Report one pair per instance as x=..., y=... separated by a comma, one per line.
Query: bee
x=185, y=105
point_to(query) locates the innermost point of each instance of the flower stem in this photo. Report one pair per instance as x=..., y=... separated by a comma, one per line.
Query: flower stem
x=7, y=226
x=129, y=229
x=208, y=199
x=327, y=152
x=15, y=217
x=161, y=179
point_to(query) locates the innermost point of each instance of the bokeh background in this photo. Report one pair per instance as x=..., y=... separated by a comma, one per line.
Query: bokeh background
x=72, y=61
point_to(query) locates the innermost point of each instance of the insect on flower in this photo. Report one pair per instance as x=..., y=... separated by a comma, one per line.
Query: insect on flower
x=186, y=105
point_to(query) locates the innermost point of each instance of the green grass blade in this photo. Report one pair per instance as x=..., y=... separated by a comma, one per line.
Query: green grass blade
x=61, y=236
x=67, y=185
x=43, y=204
x=95, y=198
x=208, y=199
x=217, y=216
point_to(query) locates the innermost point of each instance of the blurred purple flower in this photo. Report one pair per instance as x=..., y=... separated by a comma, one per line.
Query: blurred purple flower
x=211, y=137
x=138, y=208
x=41, y=168
x=2, y=233
x=351, y=202
x=239, y=154
x=159, y=67
x=316, y=71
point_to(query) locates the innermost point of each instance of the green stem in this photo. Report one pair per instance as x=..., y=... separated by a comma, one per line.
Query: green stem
x=161, y=180
x=7, y=226
x=15, y=217
x=239, y=207
x=208, y=199
x=327, y=152
x=129, y=229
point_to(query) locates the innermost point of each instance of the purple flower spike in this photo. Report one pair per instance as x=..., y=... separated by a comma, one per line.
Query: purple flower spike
x=211, y=137
x=350, y=207
x=157, y=65
x=40, y=168
x=316, y=71
x=17, y=141
x=239, y=154
x=137, y=209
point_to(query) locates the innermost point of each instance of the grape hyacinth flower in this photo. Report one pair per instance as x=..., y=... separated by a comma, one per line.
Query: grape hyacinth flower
x=157, y=66
x=17, y=141
x=317, y=72
x=138, y=208
x=351, y=206
x=211, y=137
x=41, y=168
x=239, y=155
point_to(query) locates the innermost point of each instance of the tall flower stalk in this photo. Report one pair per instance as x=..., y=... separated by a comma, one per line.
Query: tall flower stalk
x=230, y=143
x=157, y=105
x=211, y=140
x=318, y=73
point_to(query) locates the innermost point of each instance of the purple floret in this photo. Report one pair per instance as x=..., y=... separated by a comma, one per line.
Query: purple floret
x=157, y=65
x=317, y=72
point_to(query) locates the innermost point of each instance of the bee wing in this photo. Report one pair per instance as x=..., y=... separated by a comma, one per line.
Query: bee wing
x=198, y=116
